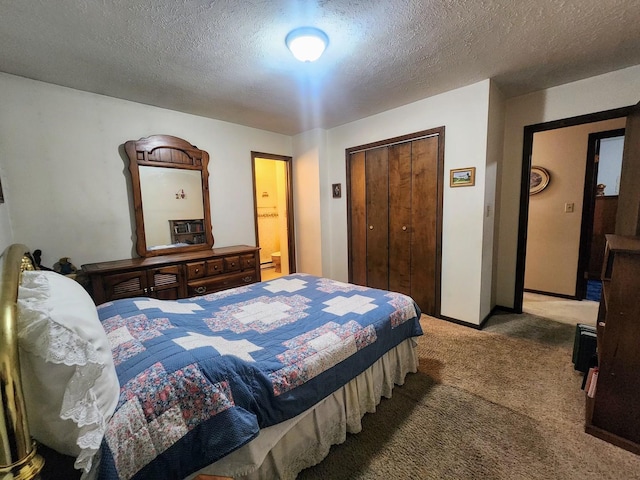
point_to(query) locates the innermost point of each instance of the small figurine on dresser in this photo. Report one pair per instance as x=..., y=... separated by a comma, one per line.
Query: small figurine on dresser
x=64, y=266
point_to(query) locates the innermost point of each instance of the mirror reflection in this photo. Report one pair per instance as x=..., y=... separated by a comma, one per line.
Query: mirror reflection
x=173, y=207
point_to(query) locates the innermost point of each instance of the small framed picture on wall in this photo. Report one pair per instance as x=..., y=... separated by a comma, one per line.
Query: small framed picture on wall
x=463, y=177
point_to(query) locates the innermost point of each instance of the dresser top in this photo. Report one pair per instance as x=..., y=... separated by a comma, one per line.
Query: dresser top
x=133, y=263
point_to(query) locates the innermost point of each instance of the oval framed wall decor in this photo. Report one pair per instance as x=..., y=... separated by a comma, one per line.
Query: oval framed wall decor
x=539, y=179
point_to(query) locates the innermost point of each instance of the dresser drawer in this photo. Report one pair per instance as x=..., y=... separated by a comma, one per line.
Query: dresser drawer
x=215, y=267
x=248, y=262
x=217, y=283
x=232, y=264
x=195, y=270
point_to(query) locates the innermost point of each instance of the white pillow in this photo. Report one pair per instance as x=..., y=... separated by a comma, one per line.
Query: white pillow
x=69, y=379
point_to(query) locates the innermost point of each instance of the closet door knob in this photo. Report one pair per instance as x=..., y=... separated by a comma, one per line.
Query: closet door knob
x=404, y=227
x=370, y=227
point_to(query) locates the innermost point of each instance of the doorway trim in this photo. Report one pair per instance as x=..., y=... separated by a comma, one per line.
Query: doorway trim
x=289, y=194
x=527, y=152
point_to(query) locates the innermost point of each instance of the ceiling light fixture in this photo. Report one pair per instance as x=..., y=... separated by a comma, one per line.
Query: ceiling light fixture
x=307, y=43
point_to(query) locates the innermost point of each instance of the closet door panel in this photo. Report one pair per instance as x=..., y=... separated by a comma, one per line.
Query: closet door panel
x=424, y=201
x=377, y=174
x=400, y=218
x=358, y=218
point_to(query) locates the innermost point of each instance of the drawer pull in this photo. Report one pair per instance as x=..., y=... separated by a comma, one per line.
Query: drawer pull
x=151, y=289
x=201, y=289
x=247, y=279
x=215, y=267
x=145, y=290
x=233, y=264
x=197, y=270
x=404, y=228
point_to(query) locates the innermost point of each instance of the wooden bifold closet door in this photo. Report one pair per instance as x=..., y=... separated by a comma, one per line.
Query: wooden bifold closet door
x=394, y=210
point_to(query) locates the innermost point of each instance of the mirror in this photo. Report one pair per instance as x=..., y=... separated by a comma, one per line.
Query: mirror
x=170, y=184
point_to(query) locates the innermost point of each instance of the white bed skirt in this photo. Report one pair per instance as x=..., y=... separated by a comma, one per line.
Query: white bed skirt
x=284, y=450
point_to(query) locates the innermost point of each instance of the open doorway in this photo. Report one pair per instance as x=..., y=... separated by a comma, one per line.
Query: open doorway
x=605, y=157
x=568, y=219
x=566, y=209
x=273, y=205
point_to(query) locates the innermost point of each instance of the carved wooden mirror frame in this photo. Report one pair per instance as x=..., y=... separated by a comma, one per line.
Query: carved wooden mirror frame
x=169, y=152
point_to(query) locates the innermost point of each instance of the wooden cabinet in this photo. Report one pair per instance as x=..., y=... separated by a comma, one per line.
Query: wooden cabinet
x=170, y=277
x=395, y=195
x=162, y=282
x=613, y=413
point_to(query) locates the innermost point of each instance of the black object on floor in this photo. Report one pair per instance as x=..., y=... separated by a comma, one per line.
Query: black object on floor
x=584, y=346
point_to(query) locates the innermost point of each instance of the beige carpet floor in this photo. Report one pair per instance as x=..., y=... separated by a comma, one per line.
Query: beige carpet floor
x=561, y=309
x=501, y=403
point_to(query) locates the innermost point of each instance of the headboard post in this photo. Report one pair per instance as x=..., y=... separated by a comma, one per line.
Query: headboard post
x=18, y=457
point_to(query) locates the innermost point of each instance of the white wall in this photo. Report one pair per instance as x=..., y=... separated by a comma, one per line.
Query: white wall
x=6, y=233
x=283, y=215
x=308, y=153
x=67, y=184
x=495, y=141
x=464, y=113
x=604, y=92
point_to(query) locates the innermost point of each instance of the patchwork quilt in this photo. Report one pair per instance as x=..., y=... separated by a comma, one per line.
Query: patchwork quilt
x=199, y=377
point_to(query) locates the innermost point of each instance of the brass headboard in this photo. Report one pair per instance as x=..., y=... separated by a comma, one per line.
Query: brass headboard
x=18, y=457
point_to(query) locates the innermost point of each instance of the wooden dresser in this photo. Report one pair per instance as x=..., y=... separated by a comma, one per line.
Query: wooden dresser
x=170, y=277
x=613, y=411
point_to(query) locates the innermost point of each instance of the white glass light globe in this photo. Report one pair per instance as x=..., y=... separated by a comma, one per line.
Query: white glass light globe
x=307, y=43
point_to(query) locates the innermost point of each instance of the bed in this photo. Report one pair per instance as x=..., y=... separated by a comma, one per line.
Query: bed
x=252, y=382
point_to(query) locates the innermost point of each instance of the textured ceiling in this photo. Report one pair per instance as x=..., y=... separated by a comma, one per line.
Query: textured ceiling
x=227, y=59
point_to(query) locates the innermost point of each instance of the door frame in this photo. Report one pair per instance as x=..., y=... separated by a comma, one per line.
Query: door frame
x=291, y=239
x=588, y=206
x=439, y=132
x=527, y=152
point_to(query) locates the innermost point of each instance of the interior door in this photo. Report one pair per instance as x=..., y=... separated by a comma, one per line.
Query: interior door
x=357, y=189
x=400, y=230
x=377, y=210
x=425, y=221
